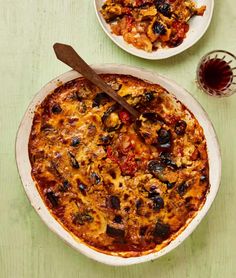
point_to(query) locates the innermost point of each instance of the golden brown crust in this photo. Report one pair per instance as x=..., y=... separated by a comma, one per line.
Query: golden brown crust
x=150, y=24
x=119, y=191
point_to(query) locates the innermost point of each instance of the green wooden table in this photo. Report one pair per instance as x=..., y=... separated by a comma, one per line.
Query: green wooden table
x=28, y=248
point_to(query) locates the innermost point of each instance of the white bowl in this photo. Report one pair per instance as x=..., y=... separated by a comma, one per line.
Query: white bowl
x=24, y=166
x=198, y=26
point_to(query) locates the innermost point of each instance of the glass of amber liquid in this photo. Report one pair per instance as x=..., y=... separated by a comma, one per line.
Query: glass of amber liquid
x=216, y=73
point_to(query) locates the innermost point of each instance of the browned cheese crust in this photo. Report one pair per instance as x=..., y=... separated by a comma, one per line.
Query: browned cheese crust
x=121, y=186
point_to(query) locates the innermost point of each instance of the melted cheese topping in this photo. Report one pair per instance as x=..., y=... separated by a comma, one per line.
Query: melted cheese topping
x=122, y=187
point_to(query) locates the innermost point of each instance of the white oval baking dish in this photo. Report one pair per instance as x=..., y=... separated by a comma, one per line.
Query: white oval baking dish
x=24, y=166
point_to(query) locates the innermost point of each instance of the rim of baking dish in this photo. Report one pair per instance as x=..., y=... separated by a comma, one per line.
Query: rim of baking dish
x=191, y=37
x=24, y=167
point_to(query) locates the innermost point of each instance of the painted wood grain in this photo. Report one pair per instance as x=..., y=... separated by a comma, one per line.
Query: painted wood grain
x=28, y=29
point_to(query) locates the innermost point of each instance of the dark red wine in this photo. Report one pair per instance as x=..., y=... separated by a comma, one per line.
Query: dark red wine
x=215, y=74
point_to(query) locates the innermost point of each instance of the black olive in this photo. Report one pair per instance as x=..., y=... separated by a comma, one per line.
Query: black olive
x=165, y=146
x=165, y=158
x=164, y=8
x=75, y=96
x=105, y=140
x=82, y=187
x=170, y=185
x=154, y=166
x=75, y=141
x=95, y=178
x=149, y=96
x=158, y=2
x=159, y=28
x=153, y=117
x=164, y=136
x=161, y=230
x=109, y=111
x=53, y=199
x=99, y=99
x=182, y=188
x=180, y=127
x=138, y=203
x=82, y=218
x=142, y=231
x=56, y=109
x=114, y=232
x=118, y=219
x=173, y=165
x=65, y=186
x=158, y=202
x=203, y=178
x=114, y=202
x=105, y=117
x=153, y=194
x=74, y=162
x=176, y=42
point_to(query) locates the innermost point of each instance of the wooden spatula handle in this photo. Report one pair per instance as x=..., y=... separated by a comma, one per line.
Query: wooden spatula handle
x=69, y=56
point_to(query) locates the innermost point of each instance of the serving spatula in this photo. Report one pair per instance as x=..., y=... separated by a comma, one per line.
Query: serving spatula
x=69, y=56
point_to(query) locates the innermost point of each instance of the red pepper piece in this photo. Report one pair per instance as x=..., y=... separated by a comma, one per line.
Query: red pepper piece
x=124, y=117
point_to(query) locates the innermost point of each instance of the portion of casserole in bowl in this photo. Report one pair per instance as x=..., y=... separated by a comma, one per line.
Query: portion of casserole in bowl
x=150, y=24
x=122, y=187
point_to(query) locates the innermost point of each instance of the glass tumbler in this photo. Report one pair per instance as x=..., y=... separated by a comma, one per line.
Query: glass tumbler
x=216, y=73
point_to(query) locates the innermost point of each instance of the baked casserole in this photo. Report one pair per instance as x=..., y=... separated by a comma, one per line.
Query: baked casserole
x=122, y=186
